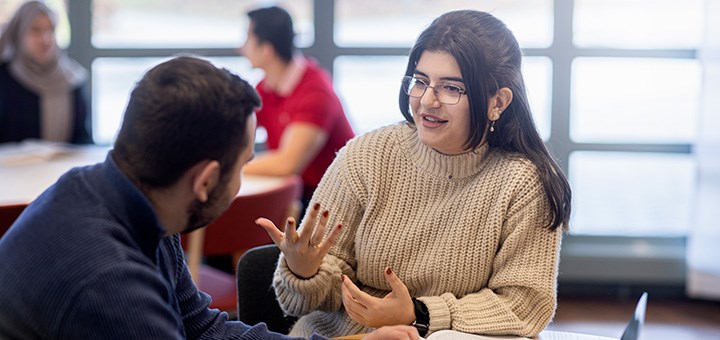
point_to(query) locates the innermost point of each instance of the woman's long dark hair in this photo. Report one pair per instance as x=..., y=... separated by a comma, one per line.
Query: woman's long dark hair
x=490, y=58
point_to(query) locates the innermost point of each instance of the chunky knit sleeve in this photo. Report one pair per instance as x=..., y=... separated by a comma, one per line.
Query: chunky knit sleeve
x=338, y=193
x=520, y=297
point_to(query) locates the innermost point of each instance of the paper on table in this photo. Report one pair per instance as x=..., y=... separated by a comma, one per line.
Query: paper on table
x=544, y=335
x=455, y=335
x=32, y=151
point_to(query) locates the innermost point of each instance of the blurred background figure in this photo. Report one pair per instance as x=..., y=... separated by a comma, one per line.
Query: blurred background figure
x=304, y=119
x=41, y=88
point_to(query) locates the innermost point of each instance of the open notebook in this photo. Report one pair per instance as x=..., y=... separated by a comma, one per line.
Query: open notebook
x=632, y=330
x=545, y=335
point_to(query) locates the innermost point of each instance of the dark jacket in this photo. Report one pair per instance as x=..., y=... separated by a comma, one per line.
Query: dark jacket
x=20, y=112
x=88, y=259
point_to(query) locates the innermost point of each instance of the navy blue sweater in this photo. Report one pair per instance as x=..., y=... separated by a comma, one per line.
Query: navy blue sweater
x=88, y=260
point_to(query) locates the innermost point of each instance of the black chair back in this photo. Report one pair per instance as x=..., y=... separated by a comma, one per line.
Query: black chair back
x=256, y=297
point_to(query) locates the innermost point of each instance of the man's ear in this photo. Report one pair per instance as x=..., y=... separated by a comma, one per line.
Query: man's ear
x=206, y=177
x=267, y=49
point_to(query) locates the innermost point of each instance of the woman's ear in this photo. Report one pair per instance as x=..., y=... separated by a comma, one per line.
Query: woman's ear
x=499, y=102
x=205, y=180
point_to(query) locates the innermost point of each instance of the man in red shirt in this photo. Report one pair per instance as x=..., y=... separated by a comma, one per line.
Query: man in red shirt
x=303, y=117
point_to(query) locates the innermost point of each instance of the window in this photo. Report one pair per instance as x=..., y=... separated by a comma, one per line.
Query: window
x=189, y=24
x=360, y=23
x=629, y=100
x=632, y=193
x=634, y=104
x=129, y=37
x=114, y=78
x=638, y=24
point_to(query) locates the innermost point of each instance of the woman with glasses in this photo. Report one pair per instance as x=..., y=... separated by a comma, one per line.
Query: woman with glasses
x=450, y=220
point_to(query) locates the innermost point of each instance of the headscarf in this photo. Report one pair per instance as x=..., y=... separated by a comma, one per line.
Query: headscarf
x=53, y=81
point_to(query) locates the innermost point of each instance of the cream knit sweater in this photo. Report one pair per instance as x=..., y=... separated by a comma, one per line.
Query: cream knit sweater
x=465, y=233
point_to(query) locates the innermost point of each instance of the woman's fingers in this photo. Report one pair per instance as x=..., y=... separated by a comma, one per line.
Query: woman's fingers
x=397, y=286
x=275, y=234
x=319, y=233
x=291, y=234
x=325, y=245
x=309, y=225
x=356, y=295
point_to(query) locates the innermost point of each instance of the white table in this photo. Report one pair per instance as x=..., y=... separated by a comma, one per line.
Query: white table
x=28, y=169
x=544, y=335
x=455, y=335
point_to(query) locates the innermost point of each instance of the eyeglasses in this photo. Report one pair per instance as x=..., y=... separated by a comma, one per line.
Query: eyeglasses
x=445, y=93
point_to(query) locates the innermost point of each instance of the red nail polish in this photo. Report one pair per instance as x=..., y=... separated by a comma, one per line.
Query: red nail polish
x=388, y=271
x=291, y=222
x=342, y=278
x=325, y=213
x=316, y=206
x=339, y=226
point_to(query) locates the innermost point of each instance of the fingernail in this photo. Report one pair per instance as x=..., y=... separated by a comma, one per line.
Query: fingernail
x=388, y=270
x=325, y=213
x=291, y=222
x=316, y=206
x=339, y=226
x=342, y=278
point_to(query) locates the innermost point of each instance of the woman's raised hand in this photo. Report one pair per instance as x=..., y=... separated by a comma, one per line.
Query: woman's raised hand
x=304, y=250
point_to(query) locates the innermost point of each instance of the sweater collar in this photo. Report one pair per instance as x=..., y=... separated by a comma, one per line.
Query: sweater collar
x=129, y=206
x=429, y=160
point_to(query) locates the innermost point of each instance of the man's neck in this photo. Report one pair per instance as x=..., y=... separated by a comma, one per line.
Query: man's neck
x=289, y=78
x=275, y=73
x=166, y=202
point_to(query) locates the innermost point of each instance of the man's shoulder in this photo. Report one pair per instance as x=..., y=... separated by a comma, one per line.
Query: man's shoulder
x=70, y=228
x=316, y=78
x=56, y=257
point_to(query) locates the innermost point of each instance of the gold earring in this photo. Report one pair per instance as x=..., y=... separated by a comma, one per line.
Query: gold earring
x=492, y=123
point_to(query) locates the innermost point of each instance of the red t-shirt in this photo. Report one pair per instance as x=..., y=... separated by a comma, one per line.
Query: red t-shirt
x=312, y=101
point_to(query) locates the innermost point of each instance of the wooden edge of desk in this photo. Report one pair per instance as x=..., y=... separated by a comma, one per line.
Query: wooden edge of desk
x=350, y=337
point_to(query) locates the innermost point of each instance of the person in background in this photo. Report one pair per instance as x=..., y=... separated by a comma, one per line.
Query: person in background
x=450, y=220
x=303, y=117
x=42, y=90
x=98, y=255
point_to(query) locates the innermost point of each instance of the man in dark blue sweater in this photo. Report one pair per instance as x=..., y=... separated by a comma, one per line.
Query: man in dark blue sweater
x=98, y=256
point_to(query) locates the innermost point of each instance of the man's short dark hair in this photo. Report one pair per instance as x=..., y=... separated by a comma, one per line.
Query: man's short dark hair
x=181, y=112
x=274, y=25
